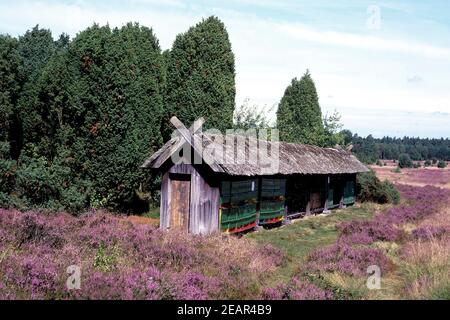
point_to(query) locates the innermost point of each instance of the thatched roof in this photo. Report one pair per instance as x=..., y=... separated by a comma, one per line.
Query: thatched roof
x=293, y=158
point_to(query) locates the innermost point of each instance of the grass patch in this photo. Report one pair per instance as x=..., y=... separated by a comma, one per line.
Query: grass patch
x=152, y=213
x=302, y=236
x=424, y=269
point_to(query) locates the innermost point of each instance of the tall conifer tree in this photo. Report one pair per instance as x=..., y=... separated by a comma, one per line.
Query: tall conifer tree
x=201, y=77
x=299, y=117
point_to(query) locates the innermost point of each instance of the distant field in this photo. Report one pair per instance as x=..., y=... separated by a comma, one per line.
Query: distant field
x=416, y=177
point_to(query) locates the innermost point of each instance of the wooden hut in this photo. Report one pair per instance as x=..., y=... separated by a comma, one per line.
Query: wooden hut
x=232, y=196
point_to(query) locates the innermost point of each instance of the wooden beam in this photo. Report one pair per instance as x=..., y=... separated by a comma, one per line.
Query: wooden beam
x=185, y=133
x=181, y=129
x=194, y=140
x=197, y=125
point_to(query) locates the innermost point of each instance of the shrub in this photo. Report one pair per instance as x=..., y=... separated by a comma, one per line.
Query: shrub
x=370, y=188
x=404, y=161
x=427, y=163
x=442, y=164
x=378, y=163
x=391, y=192
x=35, y=181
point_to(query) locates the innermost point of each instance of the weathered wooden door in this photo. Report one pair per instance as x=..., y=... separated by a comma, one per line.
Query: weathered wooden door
x=180, y=202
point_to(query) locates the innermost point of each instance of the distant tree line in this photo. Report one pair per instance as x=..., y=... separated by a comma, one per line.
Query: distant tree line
x=370, y=149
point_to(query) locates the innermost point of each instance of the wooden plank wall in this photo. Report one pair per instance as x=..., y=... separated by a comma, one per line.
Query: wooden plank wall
x=164, y=208
x=204, y=204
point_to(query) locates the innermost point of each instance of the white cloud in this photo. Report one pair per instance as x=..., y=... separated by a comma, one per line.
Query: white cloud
x=366, y=42
x=414, y=79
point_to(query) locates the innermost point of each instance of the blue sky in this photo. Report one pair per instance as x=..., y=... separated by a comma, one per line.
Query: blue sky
x=383, y=65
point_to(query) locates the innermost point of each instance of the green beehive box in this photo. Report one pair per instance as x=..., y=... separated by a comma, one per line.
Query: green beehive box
x=237, y=216
x=243, y=190
x=330, y=200
x=273, y=187
x=349, y=192
x=271, y=209
x=225, y=191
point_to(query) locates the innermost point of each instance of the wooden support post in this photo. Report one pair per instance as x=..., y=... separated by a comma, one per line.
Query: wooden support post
x=258, y=205
x=286, y=220
x=341, y=201
x=308, y=204
x=327, y=190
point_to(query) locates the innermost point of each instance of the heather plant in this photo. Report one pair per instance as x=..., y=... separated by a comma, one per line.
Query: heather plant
x=120, y=259
x=341, y=267
x=421, y=202
x=431, y=177
x=296, y=289
x=346, y=259
x=367, y=232
x=124, y=260
x=431, y=232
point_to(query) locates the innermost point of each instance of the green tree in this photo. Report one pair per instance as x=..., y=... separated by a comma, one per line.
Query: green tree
x=36, y=47
x=118, y=84
x=404, y=161
x=299, y=117
x=442, y=164
x=97, y=106
x=201, y=77
x=9, y=84
x=9, y=92
x=347, y=135
x=332, y=134
x=249, y=116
